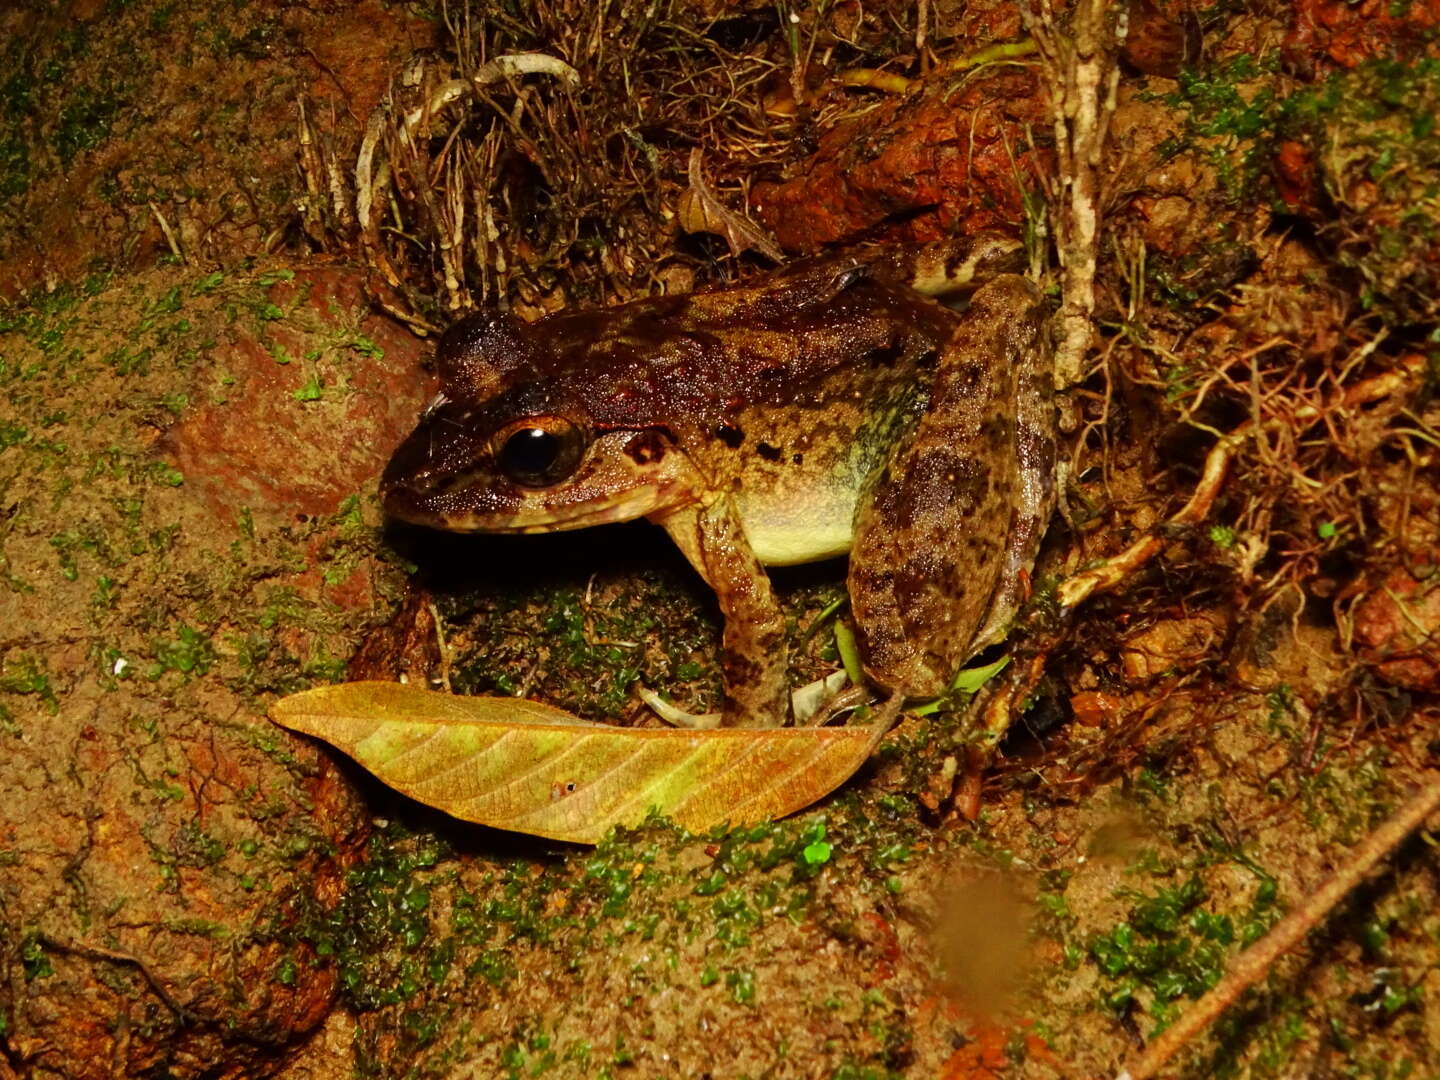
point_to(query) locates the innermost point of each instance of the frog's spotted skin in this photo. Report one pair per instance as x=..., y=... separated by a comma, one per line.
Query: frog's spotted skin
x=827, y=408
x=956, y=514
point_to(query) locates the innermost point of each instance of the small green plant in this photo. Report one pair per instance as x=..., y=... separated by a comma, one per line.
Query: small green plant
x=313, y=389
x=25, y=675
x=189, y=653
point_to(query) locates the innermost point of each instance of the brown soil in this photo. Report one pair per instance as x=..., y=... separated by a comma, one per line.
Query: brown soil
x=193, y=424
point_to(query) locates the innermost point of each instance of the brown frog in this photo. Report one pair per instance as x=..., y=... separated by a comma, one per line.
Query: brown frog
x=828, y=408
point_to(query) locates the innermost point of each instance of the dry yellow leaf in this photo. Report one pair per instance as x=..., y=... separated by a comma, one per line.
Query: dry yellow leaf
x=515, y=764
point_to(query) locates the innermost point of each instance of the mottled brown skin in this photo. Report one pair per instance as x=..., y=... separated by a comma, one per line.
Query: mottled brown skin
x=827, y=408
x=947, y=536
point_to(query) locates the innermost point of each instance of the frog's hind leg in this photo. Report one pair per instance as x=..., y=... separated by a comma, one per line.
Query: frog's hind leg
x=954, y=517
x=950, y=267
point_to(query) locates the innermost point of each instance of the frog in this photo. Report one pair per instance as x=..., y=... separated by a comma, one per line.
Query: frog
x=833, y=407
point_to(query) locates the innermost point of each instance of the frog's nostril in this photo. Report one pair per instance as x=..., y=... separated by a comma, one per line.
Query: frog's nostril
x=431, y=485
x=419, y=485
x=428, y=485
x=400, y=489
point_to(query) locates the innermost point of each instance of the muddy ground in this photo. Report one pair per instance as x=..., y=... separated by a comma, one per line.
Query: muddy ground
x=210, y=340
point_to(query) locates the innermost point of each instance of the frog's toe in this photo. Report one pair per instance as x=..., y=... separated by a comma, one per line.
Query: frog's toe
x=818, y=698
x=676, y=716
x=806, y=701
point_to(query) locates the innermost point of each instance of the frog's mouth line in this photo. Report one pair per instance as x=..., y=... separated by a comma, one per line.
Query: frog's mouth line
x=545, y=517
x=534, y=512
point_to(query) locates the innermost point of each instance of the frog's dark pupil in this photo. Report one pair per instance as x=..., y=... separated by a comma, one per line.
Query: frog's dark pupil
x=529, y=455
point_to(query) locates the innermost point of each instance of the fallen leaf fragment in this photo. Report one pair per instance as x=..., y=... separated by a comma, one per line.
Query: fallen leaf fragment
x=700, y=210
x=520, y=765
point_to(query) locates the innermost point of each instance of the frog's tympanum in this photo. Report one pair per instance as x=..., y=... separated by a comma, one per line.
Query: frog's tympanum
x=828, y=408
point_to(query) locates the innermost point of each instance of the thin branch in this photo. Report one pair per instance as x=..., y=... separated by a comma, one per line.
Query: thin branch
x=1112, y=572
x=1255, y=962
x=170, y=238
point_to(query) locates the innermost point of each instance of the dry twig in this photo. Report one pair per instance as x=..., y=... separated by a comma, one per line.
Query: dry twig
x=1082, y=76
x=1253, y=964
x=701, y=210
x=170, y=238
x=113, y=956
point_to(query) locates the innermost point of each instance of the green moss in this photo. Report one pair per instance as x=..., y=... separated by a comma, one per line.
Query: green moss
x=12, y=434
x=207, y=928
x=1379, y=152
x=1223, y=536
x=312, y=390
x=1218, y=102
x=207, y=284
x=87, y=539
x=397, y=944
x=14, y=167
x=34, y=961
x=1170, y=946
x=378, y=935
x=741, y=984
x=595, y=655
x=85, y=122
x=167, y=303
x=1231, y=110
x=1373, y=137
x=25, y=675
x=194, y=846
x=189, y=652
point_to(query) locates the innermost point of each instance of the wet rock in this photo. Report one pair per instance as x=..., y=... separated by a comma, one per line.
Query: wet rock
x=167, y=853
x=1161, y=42
x=151, y=912
x=313, y=405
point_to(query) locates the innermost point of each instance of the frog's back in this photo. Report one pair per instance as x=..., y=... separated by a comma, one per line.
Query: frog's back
x=708, y=359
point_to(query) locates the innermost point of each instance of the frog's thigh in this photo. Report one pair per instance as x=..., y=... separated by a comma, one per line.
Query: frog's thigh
x=932, y=544
x=754, y=662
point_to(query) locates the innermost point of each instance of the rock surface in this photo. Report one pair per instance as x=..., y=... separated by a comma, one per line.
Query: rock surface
x=167, y=568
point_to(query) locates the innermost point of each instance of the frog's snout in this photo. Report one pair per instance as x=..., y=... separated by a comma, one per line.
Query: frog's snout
x=446, y=500
x=422, y=486
x=426, y=473
x=406, y=496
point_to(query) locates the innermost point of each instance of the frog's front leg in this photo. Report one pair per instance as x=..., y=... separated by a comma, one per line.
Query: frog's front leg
x=713, y=539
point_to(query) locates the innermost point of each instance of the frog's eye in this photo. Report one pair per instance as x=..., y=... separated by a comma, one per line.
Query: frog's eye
x=539, y=450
